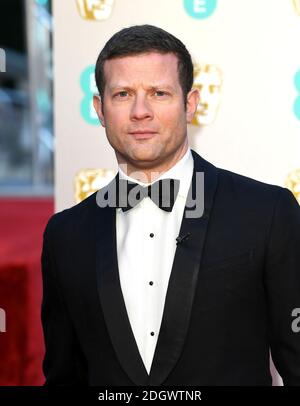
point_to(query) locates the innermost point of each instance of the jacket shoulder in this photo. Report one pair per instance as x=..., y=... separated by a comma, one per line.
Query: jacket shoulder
x=71, y=215
x=249, y=187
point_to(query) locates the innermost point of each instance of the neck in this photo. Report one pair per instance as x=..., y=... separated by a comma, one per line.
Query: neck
x=148, y=174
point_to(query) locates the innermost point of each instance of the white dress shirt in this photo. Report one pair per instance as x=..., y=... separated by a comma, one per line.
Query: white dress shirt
x=146, y=245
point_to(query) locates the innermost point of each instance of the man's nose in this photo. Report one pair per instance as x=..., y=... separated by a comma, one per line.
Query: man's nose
x=141, y=108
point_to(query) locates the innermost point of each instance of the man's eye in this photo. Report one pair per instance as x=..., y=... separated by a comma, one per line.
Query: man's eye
x=121, y=94
x=160, y=93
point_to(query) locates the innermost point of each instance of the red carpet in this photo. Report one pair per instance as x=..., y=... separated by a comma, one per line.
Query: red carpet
x=22, y=221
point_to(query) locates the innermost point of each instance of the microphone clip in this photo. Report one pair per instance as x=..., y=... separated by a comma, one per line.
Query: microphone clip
x=182, y=238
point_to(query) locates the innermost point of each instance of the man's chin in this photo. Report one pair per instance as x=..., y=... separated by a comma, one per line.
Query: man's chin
x=145, y=153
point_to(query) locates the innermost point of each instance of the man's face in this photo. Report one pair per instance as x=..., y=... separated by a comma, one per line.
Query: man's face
x=143, y=111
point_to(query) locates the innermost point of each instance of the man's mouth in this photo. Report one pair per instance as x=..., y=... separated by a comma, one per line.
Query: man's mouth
x=142, y=134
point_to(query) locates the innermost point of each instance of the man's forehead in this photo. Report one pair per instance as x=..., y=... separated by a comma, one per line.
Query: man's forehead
x=126, y=74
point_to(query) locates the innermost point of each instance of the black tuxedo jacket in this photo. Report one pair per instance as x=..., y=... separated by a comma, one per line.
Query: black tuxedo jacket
x=231, y=293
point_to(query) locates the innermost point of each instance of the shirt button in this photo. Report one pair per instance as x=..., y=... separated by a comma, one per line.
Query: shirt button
x=152, y=333
x=151, y=283
x=151, y=235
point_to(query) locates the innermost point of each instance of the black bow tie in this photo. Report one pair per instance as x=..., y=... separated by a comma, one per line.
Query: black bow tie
x=163, y=193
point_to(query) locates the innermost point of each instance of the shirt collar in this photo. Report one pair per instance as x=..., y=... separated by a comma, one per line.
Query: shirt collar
x=182, y=170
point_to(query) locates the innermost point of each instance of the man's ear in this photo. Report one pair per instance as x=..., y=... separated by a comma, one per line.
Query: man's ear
x=193, y=98
x=98, y=107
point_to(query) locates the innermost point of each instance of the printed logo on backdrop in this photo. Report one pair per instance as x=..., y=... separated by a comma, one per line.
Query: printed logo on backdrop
x=296, y=4
x=200, y=9
x=89, y=88
x=95, y=10
x=297, y=101
x=208, y=80
x=88, y=181
x=292, y=182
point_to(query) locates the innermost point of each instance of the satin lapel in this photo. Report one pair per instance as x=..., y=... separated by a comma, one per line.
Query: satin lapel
x=111, y=298
x=183, y=280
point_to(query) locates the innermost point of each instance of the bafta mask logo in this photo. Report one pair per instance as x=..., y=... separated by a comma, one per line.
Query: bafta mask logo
x=296, y=4
x=200, y=9
x=208, y=80
x=88, y=181
x=293, y=183
x=95, y=9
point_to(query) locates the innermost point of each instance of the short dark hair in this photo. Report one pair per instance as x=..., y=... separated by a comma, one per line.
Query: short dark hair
x=140, y=39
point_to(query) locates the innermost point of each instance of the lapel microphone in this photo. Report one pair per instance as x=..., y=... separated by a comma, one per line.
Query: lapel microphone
x=179, y=239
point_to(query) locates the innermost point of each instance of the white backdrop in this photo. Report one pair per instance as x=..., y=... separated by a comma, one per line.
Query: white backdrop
x=254, y=43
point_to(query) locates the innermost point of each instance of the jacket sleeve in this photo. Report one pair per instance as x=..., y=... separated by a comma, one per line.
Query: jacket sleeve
x=282, y=283
x=62, y=363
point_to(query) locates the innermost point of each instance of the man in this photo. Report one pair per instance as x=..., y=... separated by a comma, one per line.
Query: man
x=145, y=294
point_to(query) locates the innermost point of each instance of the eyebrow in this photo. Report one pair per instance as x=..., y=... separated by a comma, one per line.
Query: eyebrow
x=152, y=87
